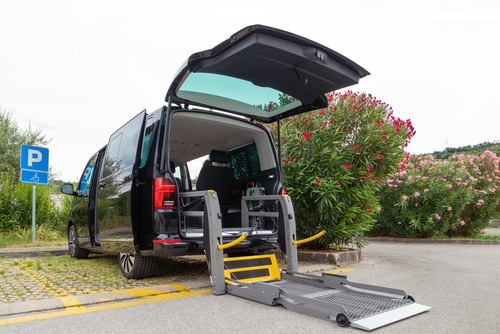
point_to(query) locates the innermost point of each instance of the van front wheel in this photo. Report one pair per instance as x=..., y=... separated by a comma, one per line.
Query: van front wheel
x=74, y=247
x=135, y=266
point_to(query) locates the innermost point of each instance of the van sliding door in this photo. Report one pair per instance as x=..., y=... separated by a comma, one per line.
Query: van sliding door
x=114, y=218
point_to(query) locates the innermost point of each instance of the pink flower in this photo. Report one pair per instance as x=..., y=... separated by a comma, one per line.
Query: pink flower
x=462, y=223
x=405, y=198
x=449, y=208
x=416, y=194
x=438, y=217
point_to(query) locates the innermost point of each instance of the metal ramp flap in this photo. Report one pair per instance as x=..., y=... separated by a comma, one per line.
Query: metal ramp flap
x=388, y=317
x=347, y=307
x=363, y=306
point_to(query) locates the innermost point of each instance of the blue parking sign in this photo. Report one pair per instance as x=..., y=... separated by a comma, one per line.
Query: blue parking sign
x=34, y=158
x=34, y=164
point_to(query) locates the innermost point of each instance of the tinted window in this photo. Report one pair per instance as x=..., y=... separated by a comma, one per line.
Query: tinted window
x=122, y=147
x=245, y=162
x=145, y=146
x=236, y=94
x=86, y=179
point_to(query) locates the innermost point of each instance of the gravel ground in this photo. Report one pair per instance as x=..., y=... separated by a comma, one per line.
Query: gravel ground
x=58, y=276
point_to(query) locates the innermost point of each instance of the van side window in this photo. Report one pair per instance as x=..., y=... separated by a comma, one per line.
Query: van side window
x=122, y=147
x=145, y=146
x=86, y=178
x=245, y=162
x=112, y=162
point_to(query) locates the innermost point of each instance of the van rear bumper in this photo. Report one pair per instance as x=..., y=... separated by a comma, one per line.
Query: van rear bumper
x=180, y=247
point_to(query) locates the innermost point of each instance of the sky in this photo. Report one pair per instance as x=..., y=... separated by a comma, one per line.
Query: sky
x=78, y=70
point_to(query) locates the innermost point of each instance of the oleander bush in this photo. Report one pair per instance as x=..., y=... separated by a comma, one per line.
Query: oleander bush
x=456, y=197
x=334, y=161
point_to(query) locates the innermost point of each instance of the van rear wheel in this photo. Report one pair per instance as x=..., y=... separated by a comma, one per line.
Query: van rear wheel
x=135, y=266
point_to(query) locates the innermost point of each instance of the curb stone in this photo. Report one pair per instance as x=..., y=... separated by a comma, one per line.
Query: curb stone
x=33, y=251
x=340, y=258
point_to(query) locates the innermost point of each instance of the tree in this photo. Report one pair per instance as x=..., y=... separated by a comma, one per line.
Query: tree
x=334, y=160
x=16, y=197
x=11, y=139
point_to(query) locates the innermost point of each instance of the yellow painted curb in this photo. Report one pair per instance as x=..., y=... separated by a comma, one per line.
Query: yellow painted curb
x=74, y=306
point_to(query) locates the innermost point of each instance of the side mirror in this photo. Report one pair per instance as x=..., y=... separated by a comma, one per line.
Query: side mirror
x=67, y=188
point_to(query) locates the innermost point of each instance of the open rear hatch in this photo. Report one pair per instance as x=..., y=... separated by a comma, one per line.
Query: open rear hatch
x=263, y=73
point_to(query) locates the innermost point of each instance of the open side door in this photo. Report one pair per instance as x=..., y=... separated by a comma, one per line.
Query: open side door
x=115, y=185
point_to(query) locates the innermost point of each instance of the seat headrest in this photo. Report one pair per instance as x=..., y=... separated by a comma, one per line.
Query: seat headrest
x=219, y=156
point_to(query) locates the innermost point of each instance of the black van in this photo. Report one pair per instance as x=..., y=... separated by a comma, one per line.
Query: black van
x=139, y=196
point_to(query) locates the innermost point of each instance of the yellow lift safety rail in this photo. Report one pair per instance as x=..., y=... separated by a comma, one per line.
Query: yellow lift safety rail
x=232, y=243
x=306, y=240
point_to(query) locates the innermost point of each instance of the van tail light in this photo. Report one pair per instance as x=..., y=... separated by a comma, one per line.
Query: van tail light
x=164, y=194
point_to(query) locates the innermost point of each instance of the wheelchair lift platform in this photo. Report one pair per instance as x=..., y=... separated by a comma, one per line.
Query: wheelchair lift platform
x=328, y=296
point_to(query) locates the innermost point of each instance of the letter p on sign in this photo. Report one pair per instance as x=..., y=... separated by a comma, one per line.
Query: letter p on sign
x=34, y=156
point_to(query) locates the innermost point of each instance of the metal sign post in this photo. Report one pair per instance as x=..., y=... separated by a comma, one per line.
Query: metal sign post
x=35, y=170
x=33, y=214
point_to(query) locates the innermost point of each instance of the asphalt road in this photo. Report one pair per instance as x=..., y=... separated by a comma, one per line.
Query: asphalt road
x=460, y=282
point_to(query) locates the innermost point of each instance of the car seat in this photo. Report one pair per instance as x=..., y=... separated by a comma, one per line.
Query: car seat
x=217, y=175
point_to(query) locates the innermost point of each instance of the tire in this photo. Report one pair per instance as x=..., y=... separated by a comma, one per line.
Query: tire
x=74, y=249
x=410, y=298
x=135, y=266
x=343, y=320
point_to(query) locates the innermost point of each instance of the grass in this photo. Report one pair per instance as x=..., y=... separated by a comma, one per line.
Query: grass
x=23, y=238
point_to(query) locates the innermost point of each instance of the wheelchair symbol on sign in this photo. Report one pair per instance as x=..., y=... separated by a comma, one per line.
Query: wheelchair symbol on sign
x=35, y=178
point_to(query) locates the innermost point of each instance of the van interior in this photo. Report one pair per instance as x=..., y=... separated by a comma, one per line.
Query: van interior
x=236, y=158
